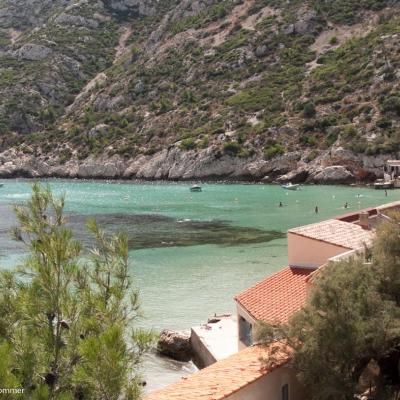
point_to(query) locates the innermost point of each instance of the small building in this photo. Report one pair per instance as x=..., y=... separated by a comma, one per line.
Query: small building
x=280, y=295
x=242, y=376
x=310, y=246
x=272, y=300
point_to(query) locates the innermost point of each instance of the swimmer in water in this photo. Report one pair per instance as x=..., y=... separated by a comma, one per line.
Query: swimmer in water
x=280, y=204
x=346, y=204
x=316, y=210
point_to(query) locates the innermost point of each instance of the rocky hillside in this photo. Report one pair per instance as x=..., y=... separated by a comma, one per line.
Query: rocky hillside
x=301, y=90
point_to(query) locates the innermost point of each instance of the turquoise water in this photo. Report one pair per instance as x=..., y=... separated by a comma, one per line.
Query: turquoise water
x=192, y=252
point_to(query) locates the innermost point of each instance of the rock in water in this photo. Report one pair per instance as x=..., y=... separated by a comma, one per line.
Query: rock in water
x=175, y=344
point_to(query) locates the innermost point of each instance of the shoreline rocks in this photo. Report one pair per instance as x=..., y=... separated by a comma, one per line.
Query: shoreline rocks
x=174, y=164
x=175, y=345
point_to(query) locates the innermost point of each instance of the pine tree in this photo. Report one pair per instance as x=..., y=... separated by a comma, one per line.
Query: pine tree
x=67, y=314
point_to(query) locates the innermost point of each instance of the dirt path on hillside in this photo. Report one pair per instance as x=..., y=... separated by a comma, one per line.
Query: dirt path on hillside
x=121, y=47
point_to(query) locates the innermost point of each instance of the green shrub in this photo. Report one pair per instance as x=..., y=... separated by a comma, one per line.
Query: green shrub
x=391, y=105
x=199, y=20
x=309, y=110
x=333, y=41
x=384, y=123
x=349, y=131
x=308, y=140
x=312, y=155
x=232, y=148
x=273, y=151
x=188, y=144
x=151, y=150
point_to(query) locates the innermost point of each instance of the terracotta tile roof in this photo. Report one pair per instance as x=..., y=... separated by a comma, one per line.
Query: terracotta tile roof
x=277, y=297
x=340, y=233
x=225, y=377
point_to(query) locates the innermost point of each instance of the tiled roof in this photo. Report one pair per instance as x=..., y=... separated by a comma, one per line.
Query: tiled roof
x=225, y=377
x=340, y=233
x=277, y=297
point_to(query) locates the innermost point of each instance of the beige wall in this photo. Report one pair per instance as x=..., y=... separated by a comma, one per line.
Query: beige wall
x=310, y=253
x=269, y=387
x=241, y=312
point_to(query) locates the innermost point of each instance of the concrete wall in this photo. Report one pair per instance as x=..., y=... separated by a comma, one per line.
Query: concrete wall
x=310, y=253
x=269, y=387
x=241, y=312
x=202, y=357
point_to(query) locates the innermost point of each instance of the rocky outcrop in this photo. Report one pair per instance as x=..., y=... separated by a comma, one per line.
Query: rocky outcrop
x=175, y=344
x=140, y=7
x=32, y=52
x=76, y=20
x=295, y=176
x=331, y=175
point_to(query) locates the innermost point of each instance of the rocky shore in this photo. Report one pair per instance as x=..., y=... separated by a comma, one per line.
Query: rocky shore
x=336, y=166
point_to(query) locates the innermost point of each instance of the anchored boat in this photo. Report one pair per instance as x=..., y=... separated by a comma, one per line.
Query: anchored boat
x=290, y=186
x=196, y=188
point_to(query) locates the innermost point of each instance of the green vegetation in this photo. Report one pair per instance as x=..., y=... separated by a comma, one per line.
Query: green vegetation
x=273, y=150
x=66, y=315
x=391, y=105
x=257, y=82
x=213, y=13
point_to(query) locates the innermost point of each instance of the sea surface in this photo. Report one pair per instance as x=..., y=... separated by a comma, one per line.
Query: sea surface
x=191, y=253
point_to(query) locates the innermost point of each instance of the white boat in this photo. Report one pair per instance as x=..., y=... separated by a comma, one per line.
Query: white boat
x=195, y=188
x=382, y=184
x=290, y=186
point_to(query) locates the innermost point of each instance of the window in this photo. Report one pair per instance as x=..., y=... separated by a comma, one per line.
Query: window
x=245, y=332
x=285, y=392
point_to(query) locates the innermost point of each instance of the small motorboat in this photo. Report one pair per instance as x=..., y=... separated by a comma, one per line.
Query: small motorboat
x=382, y=184
x=195, y=188
x=290, y=186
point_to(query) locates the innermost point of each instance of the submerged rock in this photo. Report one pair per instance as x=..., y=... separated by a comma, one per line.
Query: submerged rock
x=175, y=344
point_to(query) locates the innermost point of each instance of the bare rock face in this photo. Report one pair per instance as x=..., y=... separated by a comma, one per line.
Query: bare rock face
x=76, y=20
x=140, y=7
x=331, y=175
x=295, y=176
x=175, y=344
x=32, y=52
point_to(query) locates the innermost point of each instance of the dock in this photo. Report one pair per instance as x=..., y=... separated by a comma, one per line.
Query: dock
x=215, y=340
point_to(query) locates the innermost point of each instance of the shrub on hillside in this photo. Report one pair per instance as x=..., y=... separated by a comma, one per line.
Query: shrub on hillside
x=391, y=105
